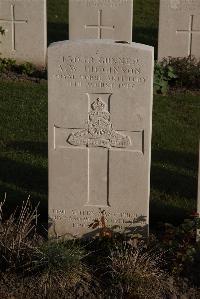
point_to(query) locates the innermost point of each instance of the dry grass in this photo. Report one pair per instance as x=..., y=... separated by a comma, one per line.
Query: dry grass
x=32, y=267
x=60, y=269
x=138, y=272
x=18, y=236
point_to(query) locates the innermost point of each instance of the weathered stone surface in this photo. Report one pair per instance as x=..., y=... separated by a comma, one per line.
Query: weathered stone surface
x=102, y=19
x=100, y=115
x=179, y=28
x=24, y=22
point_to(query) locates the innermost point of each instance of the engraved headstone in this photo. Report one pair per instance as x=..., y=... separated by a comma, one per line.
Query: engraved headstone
x=179, y=28
x=25, y=38
x=100, y=114
x=100, y=19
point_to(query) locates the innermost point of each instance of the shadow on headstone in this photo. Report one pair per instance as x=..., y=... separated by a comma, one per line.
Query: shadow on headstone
x=136, y=227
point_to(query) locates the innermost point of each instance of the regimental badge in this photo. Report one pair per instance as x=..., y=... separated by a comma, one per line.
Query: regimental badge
x=99, y=131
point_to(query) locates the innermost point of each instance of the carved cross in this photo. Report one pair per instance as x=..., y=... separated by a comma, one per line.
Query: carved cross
x=13, y=22
x=100, y=26
x=190, y=31
x=100, y=148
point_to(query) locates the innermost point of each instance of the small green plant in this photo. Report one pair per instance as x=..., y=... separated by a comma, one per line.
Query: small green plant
x=10, y=68
x=27, y=69
x=187, y=71
x=162, y=76
x=6, y=65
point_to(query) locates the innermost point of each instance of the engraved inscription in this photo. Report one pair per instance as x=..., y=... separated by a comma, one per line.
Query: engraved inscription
x=99, y=132
x=13, y=21
x=100, y=72
x=83, y=218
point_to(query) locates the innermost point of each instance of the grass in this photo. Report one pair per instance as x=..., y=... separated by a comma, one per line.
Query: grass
x=23, y=143
x=23, y=149
x=176, y=127
x=57, y=20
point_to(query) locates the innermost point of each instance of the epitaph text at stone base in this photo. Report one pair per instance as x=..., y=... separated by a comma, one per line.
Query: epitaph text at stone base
x=100, y=115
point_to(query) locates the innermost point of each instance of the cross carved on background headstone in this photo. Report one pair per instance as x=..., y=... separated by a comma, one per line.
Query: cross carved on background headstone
x=13, y=22
x=100, y=26
x=190, y=31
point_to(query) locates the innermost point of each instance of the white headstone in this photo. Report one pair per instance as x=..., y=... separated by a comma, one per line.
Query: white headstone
x=110, y=19
x=24, y=22
x=100, y=116
x=179, y=28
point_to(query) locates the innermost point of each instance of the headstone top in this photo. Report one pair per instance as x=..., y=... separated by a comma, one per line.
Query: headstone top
x=179, y=28
x=100, y=19
x=103, y=66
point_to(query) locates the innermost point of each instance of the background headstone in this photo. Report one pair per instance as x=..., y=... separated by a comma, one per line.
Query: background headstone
x=24, y=22
x=101, y=19
x=100, y=115
x=179, y=28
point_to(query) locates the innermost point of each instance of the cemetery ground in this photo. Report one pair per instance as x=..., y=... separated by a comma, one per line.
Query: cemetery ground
x=32, y=267
x=174, y=169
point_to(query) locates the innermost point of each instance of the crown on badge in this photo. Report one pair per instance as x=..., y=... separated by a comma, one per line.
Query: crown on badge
x=98, y=105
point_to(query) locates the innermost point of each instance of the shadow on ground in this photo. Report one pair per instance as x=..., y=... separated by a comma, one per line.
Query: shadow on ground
x=168, y=176
x=174, y=176
x=35, y=148
x=19, y=179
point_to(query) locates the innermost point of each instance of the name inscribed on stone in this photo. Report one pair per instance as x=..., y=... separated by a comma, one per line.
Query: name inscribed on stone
x=100, y=72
